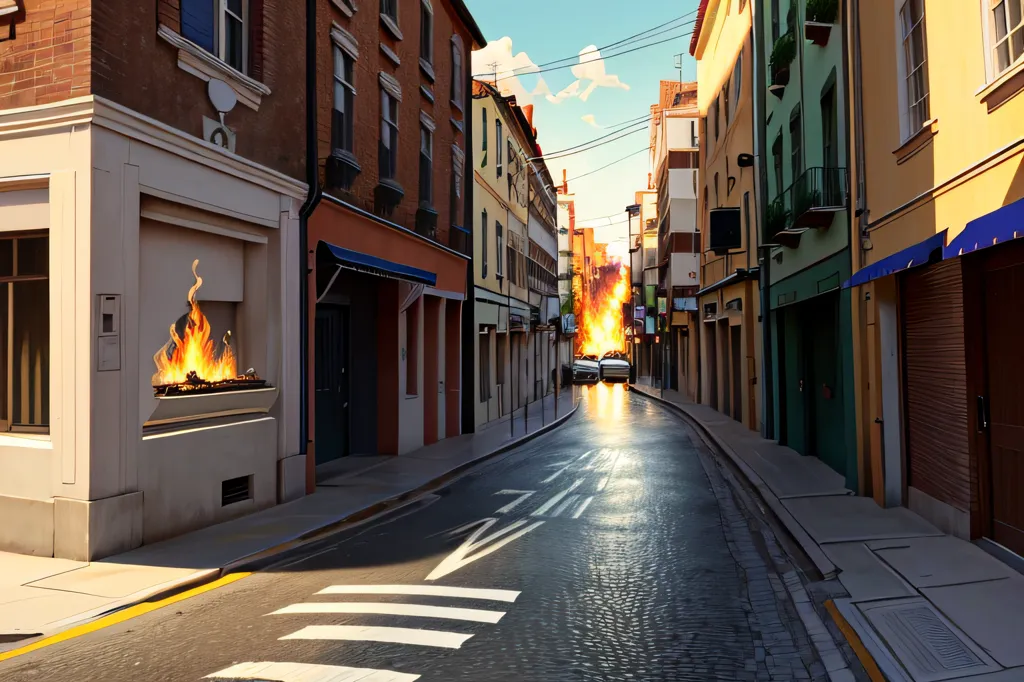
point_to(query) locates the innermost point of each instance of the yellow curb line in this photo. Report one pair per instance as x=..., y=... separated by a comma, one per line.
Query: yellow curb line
x=866, y=659
x=121, y=616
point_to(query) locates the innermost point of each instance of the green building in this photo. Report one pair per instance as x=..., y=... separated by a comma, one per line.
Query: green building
x=802, y=133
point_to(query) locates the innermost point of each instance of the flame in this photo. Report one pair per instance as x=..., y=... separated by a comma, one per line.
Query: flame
x=194, y=351
x=600, y=327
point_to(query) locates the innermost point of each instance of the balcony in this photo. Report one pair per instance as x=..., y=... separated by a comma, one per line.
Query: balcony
x=811, y=202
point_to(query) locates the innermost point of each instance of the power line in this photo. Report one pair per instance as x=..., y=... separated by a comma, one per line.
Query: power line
x=595, y=143
x=567, y=66
x=628, y=156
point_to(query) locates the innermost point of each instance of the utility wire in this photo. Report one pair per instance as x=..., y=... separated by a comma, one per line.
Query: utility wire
x=628, y=156
x=568, y=66
x=593, y=144
x=557, y=156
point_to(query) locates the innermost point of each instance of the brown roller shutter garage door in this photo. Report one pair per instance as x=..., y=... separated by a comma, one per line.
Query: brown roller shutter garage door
x=935, y=374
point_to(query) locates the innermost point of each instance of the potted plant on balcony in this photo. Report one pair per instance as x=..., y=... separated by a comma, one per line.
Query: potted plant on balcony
x=783, y=54
x=776, y=218
x=804, y=199
x=821, y=14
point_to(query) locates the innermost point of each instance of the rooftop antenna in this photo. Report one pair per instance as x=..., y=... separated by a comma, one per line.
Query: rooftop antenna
x=494, y=72
x=679, y=65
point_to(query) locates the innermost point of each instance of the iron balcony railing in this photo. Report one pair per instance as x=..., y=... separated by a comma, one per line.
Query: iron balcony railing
x=809, y=201
x=541, y=279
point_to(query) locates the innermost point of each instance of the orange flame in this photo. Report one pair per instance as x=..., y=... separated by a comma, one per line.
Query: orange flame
x=601, y=327
x=194, y=351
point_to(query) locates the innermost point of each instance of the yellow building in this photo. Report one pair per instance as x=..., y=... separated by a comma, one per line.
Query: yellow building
x=938, y=150
x=729, y=301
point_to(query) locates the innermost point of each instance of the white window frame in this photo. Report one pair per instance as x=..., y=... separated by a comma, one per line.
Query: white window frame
x=427, y=9
x=427, y=128
x=391, y=23
x=221, y=32
x=907, y=127
x=390, y=87
x=498, y=160
x=346, y=43
x=499, y=243
x=992, y=71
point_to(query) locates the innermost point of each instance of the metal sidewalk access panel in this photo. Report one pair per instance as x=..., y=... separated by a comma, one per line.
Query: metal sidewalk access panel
x=373, y=265
x=924, y=642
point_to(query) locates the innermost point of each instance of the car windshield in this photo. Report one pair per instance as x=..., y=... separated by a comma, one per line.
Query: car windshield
x=591, y=358
x=613, y=355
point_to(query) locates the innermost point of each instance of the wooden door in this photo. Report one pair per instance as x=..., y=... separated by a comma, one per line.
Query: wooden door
x=1003, y=407
x=332, y=387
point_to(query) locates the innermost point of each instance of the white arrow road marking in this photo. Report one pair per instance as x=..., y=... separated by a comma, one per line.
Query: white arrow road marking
x=604, y=482
x=523, y=494
x=417, y=610
x=554, y=475
x=425, y=591
x=366, y=633
x=555, y=465
x=546, y=507
x=586, y=454
x=562, y=507
x=460, y=557
x=308, y=672
x=583, y=507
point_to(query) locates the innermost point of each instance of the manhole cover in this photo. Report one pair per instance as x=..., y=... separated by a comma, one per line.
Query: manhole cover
x=926, y=646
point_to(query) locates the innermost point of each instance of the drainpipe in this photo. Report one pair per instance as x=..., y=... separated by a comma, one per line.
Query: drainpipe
x=858, y=129
x=470, y=336
x=761, y=206
x=312, y=199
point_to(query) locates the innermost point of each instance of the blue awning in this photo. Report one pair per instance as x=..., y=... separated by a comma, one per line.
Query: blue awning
x=1002, y=225
x=372, y=265
x=922, y=253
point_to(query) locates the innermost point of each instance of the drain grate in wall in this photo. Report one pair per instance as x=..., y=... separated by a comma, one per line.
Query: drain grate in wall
x=235, y=490
x=926, y=646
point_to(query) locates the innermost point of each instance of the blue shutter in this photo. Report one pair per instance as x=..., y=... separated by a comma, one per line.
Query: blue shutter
x=197, y=22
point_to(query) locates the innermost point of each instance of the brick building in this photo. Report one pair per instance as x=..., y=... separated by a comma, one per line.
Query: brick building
x=145, y=144
x=387, y=244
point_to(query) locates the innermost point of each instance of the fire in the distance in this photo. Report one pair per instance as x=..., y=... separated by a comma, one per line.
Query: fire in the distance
x=599, y=318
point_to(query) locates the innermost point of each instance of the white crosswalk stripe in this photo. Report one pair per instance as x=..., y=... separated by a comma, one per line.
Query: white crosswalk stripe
x=425, y=591
x=391, y=609
x=367, y=633
x=308, y=672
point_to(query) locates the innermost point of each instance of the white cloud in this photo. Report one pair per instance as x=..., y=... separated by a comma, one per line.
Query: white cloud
x=590, y=120
x=591, y=68
x=541, y=89
x=572, y=90
x=497, y=60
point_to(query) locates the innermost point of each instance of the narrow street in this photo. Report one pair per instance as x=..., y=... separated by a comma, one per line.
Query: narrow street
x=591, y=553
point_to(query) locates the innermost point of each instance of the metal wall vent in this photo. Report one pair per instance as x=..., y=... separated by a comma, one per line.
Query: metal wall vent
x=235, y=490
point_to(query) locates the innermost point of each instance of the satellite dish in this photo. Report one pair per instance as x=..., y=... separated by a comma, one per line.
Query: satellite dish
x=222, y=96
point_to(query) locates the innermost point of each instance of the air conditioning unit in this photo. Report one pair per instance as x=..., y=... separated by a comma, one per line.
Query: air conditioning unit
x=725, y=232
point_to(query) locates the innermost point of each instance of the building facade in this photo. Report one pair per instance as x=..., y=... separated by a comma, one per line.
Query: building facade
x=675, y=169
x=805, y=191
x=388, y=246
x=567, y=315
x=542, y=268
x=729, y=302
x=150, y=191
x=939, y=194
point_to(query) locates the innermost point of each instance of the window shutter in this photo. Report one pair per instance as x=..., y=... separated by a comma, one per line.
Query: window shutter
x=197, y=22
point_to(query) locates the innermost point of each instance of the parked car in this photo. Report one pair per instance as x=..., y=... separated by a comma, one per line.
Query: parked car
x=614, y=366
x=586, y=370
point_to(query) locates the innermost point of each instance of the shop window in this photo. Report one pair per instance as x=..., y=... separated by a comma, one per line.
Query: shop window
x=25, y=339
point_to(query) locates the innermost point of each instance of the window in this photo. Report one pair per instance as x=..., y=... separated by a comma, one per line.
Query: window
x=499, y=359
x=717, y=100
x=388, y=153
x=777, y=163
x=344, y=96
x=483, y=244
x=455, y=191
x=412, y=348
x=796, y=158
x=485, y=365
x=746, y=215
x=426, y=32
x=389, y=8
x=25, y=340
x=426, y=165
x=499, y=233
x=829, y=141
x=218, y=26
x=693, y=134
x=717, y=202
x=497, y=146
x=457, y=75
x=728, y=108
x=706, y=206
x=915, y=62
x=483, y=139
x=737, y=82
x=1007, y=33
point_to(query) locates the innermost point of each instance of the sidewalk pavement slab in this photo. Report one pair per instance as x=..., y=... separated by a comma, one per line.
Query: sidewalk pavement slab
x=927, y=606
x=40, y=596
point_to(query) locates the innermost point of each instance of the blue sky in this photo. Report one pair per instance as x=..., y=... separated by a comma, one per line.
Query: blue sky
x=549, y=30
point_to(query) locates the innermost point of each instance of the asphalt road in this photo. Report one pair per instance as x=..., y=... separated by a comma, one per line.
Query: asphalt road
x=612, y=548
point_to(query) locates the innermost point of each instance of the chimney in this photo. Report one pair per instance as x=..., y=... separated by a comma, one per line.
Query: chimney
x=528, y=112
x=650, y=181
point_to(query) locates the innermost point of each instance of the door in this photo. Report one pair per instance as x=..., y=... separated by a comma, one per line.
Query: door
x=824, y=394
x=711, y=346
x=736, y=374
x=1004, y=412
x=331, y=389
